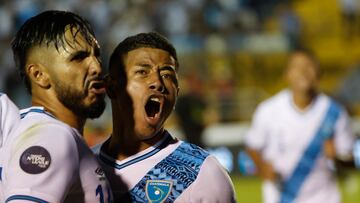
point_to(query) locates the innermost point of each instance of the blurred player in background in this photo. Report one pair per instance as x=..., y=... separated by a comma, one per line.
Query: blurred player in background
x=295, y=136
x=143, y=162
x=48, y=161
x=9, y=118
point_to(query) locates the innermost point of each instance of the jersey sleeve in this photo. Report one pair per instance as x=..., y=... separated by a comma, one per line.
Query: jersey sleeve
x=255, y=137
x=213, y=185
x=344, y=137
x=42, y=165
x=9, y=115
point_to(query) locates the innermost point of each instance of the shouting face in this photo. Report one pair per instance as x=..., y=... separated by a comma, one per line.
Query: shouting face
x=152, y=87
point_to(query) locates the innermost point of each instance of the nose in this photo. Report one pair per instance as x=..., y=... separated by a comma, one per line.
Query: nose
x=95, y=67
x=156, y=83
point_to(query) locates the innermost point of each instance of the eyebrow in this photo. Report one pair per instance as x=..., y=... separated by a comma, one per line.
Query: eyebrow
x=143, y=64
x=168, y=67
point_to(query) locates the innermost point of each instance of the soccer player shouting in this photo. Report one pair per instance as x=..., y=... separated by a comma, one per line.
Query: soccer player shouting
x=143, y=162
x=48, y=161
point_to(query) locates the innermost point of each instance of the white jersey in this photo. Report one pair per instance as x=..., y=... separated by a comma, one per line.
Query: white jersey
x=281, y=132
x=47, y=161
x=9, y=117
x=136, y=174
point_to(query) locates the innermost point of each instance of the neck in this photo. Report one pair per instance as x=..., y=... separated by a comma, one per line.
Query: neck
x=124, y=142
x=303, y=99
x=62, y=113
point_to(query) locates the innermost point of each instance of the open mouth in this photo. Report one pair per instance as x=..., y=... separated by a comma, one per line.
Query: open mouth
x=152, y=107
x=98, y=87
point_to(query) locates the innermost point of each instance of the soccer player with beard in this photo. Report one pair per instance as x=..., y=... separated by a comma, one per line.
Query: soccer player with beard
x=143, y=162
x=48, y=161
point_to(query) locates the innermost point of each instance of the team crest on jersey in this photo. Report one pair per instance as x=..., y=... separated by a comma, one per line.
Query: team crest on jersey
x=158, y=190
x=35, y=160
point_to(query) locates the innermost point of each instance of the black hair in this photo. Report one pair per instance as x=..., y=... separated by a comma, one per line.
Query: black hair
x=47, y=28
x=151, y=40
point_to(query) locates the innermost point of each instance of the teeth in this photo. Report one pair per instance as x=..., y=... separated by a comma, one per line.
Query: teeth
x=155, y=99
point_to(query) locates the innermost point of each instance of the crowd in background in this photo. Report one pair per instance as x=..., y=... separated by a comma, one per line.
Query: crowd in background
x=219, y=27
x=237, y=48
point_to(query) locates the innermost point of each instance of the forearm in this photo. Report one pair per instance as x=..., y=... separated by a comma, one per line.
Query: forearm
x=264, y=168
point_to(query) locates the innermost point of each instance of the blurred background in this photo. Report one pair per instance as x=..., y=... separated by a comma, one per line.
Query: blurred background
x=232, y=54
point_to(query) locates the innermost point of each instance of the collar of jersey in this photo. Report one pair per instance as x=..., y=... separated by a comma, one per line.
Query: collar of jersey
x=34, y=109
x=138, y=157
x=307, y=109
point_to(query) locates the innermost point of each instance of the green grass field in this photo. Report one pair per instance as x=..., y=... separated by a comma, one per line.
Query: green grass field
x=248, y=189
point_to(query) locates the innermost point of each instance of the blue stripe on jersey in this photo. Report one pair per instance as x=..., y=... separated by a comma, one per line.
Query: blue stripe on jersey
x=22, y=115
x=180, y=168
x=0, y=173
x=140, y=158
x=25, y=197
x=292, y=185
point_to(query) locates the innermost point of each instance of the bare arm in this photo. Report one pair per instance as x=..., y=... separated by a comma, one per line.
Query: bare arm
x=265, y=169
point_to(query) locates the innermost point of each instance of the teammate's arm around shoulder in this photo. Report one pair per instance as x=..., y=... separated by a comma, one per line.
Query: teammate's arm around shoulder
x=42, y=164
x=213, y=184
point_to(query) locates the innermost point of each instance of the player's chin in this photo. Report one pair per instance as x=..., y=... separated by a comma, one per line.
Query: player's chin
x=94, y=98
x=96, y=109
x=95, y=105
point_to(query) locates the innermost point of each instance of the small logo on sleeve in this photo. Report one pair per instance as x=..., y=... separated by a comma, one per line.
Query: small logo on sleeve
x=157, y=190
x=35, y=160
x=100, y=174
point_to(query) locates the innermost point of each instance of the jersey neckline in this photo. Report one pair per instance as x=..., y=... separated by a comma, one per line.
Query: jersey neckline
x=34, y=109
x=138, y=157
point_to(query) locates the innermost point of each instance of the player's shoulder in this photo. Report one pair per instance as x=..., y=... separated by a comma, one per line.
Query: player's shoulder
x=207, y=162
x=40, y=125
x=3, y=96
x=329, y=102
x=213, y=182
x=39, y=133
x=274, y=103
x=8, y=106
x=219, y=175
x=212, y=166
x=9, y=117
x=38, y=115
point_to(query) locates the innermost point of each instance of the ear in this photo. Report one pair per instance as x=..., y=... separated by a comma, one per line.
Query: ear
x=38, y=76
x=110, y=86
